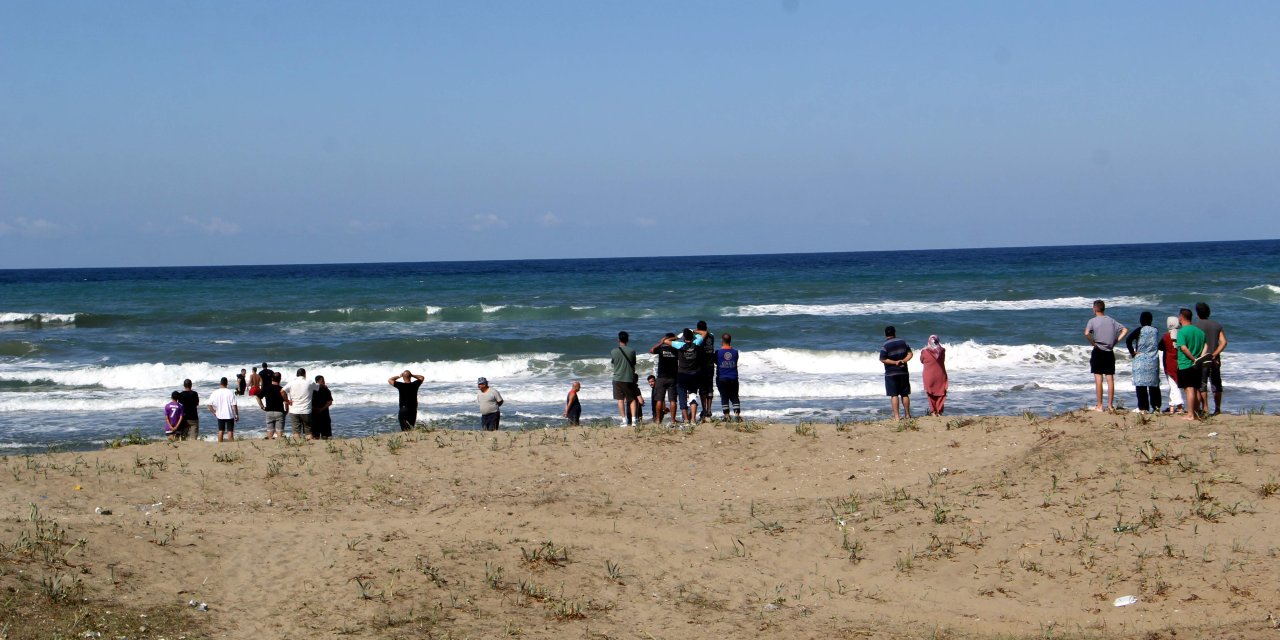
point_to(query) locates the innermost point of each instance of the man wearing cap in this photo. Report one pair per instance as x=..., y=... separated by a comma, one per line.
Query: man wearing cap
x=490, y=405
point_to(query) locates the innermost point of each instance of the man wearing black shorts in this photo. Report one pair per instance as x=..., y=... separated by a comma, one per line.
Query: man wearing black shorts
x=1215, y=340
x=407, y=384
x=664, y=384
x=625, y=389
x=895, y=354
x=1103, y=333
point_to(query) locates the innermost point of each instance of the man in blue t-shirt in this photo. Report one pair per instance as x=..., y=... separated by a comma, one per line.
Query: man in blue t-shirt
x=727, y=377
x=895, y=354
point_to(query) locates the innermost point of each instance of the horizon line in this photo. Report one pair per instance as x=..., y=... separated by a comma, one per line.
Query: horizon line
x=633, y=257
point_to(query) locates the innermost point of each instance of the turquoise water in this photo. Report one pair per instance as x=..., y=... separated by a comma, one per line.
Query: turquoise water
x=87, y=354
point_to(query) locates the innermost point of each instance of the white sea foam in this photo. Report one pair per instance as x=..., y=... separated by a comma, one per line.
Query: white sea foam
x=775, y=377
x=12, y=317
x=1264, y=292
x=492, y=308
x=944, y=306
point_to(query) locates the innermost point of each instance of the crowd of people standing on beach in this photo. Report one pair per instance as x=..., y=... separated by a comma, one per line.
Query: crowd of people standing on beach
x=690, y=369
x=1190, y=352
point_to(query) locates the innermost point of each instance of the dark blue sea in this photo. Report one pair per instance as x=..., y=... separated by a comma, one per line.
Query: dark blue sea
x=90, y=354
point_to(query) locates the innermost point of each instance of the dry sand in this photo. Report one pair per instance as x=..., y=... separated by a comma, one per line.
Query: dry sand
x=947, y=528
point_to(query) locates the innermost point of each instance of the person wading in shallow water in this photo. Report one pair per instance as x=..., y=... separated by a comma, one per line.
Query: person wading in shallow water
x=407, y=384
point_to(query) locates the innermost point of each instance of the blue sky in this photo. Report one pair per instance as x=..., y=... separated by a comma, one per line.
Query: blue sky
x=189, y=133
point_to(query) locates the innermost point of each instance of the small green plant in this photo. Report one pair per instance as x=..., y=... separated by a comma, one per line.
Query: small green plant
x=58, y=587
x=806, y=429
x=569, y=609
x=940, y=514
x=959, y=423
x=365, y=583
x=431, y=572
x=853, y=548
x=134, y=437
x=493, y=576
x=1269, y=488
x=1243, y=447
x=1030, y=416
x=905, y=563
x=1149, y=453
x=228, y=457
x=395, y=444
x=273, y=467
x=908, y=424
x=531, y=589
x=547, y=553
x=613, y=570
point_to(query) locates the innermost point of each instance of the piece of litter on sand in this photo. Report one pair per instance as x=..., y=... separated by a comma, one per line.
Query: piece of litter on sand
x=1213, y=434
x=1124, y=601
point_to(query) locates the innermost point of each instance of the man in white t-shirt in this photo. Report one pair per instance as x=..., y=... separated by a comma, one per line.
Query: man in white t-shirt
x=223, y=405
x=297, y=397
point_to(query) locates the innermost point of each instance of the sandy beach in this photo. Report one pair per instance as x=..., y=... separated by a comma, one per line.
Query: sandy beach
x=952, y=527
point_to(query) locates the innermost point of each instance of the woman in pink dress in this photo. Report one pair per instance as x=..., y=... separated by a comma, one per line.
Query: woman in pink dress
x=934, y=359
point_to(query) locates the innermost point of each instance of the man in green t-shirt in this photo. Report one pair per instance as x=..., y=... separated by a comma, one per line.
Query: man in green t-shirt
x=625, y=389
x=1191, y=347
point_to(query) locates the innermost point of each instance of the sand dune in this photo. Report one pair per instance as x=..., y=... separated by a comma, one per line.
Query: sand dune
x=949, y=528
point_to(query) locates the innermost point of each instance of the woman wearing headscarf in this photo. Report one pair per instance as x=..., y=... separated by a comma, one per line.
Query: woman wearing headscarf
x=1144, y=350
x=934, y=359
x=1169, y=345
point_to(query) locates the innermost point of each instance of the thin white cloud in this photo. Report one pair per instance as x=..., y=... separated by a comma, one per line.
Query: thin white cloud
x=213, y=226
x=549, y=220
x=646, y=222
x=487, y=221
x=25, y=227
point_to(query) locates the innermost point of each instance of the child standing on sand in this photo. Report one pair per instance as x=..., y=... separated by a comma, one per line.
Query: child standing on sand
x=172, y=416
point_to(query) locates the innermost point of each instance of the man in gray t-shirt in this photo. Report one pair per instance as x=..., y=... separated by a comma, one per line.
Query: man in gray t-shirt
x=1103, y=332
x=490, y=402
x=1215, y=341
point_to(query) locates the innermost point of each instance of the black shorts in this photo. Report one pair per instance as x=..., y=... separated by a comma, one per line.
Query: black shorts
x=664, y=390
x=1102, y=363
x=1189, y=378
x=625, y=390
x=897, y=386
x=226, y=425
x=489, y=421
x=707, y=382
x=1211, y=376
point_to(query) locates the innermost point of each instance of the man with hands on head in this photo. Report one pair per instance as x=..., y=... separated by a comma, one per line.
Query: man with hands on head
x=407, y=384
